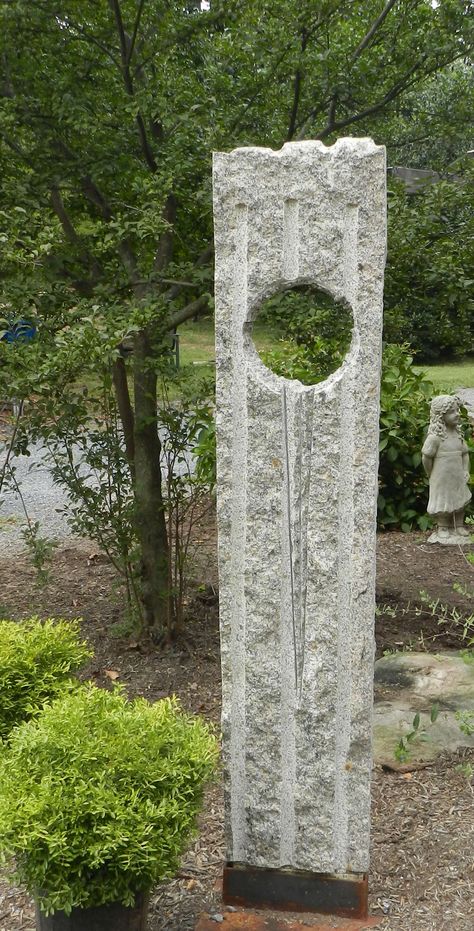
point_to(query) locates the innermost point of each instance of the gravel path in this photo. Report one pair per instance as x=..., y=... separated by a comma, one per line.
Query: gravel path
x=42, y=499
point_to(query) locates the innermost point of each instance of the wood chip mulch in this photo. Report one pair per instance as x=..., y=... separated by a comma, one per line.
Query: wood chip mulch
x=422, y=873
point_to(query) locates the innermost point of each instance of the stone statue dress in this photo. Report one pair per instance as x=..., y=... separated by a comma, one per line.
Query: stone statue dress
x=445, y=458
x=448, y=489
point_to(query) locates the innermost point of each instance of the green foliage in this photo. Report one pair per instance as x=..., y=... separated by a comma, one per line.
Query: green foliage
x=188, y=464
x=205, y=453
x=404, y=415
x=99, y=796
x=316, y=333
x=465, y=720
x=109, y=113
x=41, y=550
x=466, y=769
x=429, y=276
x=404, y=746
x=430, y=127
x=37, y=662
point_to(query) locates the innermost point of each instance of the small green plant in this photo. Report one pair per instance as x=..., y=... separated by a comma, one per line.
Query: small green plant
x=466, y=769
x=403, y=748
x=41, y=550
x=37, y=662
x=461, y=622
x=99, y=796
x=465, y=720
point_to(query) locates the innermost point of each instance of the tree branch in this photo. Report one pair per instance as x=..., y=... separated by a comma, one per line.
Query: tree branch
x=373, y=29
x=311, y=29
x=332, y=112
x=128, y=82
x=396, y=90
x=297, y=89
x=194, y=309
x=164, y=252
x=84, y=36
x=61, y=212
x=203, y=259
x=88, y=260
x=122, y=394
x=17, y=149
x=135, y=31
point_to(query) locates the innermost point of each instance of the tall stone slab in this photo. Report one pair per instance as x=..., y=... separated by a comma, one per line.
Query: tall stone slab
x=297, y=489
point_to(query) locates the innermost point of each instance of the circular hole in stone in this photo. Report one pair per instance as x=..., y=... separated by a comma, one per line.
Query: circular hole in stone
x=303, y=333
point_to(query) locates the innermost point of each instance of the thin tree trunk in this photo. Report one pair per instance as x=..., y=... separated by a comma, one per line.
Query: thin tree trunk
x=149, y=507
x=119, y=374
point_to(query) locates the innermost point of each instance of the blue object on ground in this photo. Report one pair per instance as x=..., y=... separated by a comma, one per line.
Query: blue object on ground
x=21, y=331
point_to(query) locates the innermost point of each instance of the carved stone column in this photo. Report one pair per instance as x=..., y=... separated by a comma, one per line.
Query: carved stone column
x=297, y=490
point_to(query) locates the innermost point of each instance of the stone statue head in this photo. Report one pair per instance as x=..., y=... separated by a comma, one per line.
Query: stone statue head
x=442, y=404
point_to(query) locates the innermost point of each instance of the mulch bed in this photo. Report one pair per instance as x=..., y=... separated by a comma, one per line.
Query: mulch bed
x=422, y=874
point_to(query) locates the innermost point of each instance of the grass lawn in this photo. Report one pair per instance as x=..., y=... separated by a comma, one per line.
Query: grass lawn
x=196, y=341
x=450, y=375
x=196, y=345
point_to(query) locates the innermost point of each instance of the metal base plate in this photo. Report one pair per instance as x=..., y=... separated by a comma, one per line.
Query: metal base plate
x=295, y=891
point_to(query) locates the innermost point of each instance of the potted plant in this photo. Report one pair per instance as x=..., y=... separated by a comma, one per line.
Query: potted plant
x=98, y=798
x=38, y=660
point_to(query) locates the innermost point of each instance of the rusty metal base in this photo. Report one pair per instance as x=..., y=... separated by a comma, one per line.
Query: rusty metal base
x=295, y=891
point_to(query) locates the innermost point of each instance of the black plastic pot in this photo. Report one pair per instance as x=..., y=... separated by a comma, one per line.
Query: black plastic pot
x=113, y=917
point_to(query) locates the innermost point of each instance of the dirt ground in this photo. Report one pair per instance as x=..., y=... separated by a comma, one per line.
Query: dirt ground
x=422, y=873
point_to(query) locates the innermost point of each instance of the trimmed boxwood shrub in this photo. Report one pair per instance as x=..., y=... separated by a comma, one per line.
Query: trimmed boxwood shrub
x=37, y=661
x=99, y=796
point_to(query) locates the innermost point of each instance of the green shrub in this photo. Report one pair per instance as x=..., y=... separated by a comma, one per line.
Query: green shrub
x=37, y=660
x=404, y=416
x=99, y=795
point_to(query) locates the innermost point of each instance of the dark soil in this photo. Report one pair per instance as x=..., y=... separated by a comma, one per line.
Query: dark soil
x=423, y=823
x=415, y=579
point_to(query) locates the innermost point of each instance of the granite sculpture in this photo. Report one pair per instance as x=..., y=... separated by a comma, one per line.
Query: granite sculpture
x=445, y=458
x=297, y=491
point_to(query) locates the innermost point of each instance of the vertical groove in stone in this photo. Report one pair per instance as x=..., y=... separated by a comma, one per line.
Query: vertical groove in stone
x=305, y=429
x=288, y=660
x=345, y=545
x=238, y=541
x=291, y=241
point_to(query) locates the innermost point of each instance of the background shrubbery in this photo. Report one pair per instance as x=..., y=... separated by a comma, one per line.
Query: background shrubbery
x=429, y=277
x=405, y=396
x=316, y=333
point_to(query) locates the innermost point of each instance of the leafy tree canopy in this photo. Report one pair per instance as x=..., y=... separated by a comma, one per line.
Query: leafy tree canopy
x=108, y=115
x=431, y=126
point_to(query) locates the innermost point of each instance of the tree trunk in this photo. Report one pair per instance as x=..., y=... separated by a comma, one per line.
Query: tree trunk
x=149, y=507
x=119, y=373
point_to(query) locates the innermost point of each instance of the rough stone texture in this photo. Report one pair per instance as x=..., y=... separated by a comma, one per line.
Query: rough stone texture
x=407, y=683
x=297, y=486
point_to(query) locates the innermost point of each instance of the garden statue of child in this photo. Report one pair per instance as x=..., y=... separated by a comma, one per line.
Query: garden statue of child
x=445, y=458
